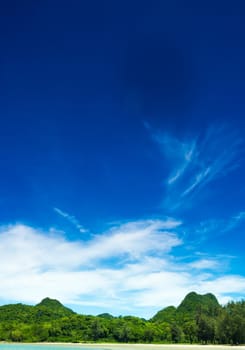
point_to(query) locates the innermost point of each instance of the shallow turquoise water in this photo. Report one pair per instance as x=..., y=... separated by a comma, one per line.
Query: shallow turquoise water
x=46, y=347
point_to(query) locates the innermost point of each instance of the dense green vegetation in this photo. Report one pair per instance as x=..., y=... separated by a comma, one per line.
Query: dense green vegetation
x=198, y=319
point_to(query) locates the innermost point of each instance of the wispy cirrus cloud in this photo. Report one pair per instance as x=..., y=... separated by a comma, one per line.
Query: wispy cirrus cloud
x=195, y=162
x=131, y=268
x=235, y=221
x=176, y=151
x=214, y=228
x=71, y=219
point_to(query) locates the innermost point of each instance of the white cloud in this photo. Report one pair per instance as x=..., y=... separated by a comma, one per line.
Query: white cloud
x=131, y=268
x=205, y=264
x=136, y=239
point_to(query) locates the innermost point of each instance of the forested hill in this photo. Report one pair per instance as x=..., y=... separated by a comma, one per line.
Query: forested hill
x=47, y=310
x=198, y=319
x=192, y=306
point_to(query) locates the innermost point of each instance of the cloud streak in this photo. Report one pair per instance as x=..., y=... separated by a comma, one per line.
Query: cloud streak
x=182, y=152
x=196, y=162
x=71, y=219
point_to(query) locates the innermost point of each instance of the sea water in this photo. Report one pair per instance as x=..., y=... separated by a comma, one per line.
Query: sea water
x=50, y=346
x=17, y=346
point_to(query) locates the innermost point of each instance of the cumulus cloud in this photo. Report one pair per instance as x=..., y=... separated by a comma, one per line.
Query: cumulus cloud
x=130, y=268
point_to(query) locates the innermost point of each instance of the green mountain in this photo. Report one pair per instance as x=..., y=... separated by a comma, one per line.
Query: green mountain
x=52, y=308
x=50, y=303
x=192, y=305
x=195, y=304
x=47, y=309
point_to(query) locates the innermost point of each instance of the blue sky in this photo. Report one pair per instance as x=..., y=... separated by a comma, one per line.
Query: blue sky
x=122, y=153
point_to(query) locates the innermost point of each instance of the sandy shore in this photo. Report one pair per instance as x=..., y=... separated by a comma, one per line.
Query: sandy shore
x=160, y=346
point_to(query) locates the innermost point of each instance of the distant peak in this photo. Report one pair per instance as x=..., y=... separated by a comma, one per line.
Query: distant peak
x=54, y=306
x=50, y=302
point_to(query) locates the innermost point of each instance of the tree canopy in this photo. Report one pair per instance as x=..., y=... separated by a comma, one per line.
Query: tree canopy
x=198, y=319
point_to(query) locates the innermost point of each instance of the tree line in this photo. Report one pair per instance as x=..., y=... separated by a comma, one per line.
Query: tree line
x=198, y=319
